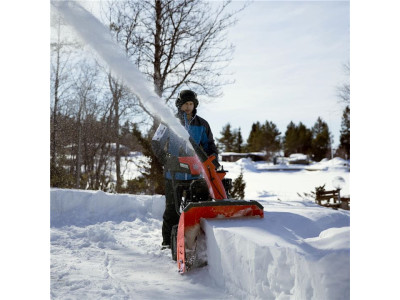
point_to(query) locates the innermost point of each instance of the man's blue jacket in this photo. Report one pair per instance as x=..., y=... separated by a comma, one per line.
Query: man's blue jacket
x=167, y=142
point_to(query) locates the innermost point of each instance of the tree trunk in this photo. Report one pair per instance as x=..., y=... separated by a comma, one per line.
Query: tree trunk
x=117, y=143
x=116, y=91
x=78, y=151
x=53, y=151
x=158, y=84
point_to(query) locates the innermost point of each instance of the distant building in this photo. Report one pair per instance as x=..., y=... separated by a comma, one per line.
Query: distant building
x=233, y=156
x=298, y=159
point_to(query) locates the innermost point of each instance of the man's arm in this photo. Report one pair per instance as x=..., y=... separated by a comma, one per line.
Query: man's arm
x=211, y=148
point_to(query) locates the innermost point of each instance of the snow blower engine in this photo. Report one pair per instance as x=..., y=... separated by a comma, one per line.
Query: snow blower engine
x=206, y=197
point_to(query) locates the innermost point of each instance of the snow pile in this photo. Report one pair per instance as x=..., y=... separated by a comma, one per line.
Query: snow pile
x=336, y=163
x=107, y=246
x=246, y=164
x=81, y=208
x=278, y=257
x=297, y=157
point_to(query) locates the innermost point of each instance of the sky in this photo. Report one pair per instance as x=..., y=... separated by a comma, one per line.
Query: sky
x=287, y=66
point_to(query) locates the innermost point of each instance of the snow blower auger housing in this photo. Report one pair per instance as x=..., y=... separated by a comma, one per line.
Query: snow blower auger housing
x=206, y=197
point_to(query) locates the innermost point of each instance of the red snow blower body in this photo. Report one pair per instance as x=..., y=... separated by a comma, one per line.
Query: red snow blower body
x=204, y=198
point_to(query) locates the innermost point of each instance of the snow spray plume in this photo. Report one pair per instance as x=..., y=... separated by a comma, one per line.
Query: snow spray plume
x=98, y=37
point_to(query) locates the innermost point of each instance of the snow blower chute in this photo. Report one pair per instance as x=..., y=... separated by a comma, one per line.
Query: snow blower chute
x=207, y=197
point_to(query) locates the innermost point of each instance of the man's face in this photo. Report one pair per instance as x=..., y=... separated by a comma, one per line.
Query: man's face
x=188, y=107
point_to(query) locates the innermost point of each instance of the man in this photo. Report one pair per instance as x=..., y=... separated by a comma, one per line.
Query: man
x=165, y=143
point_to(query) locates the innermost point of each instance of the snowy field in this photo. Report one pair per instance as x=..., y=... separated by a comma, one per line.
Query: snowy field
x=107, y=246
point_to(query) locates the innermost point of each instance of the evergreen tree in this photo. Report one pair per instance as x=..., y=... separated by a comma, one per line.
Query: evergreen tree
x=297, y=139
x=238, y=141
x=255, y=141
x=290, y=140
x=227, y=140
x=238, y=187
x=304, y=139
x=321, y=142
x=270, y=135
x=345, y=133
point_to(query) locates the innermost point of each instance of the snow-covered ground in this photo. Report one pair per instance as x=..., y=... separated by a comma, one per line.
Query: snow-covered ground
x=107, y=246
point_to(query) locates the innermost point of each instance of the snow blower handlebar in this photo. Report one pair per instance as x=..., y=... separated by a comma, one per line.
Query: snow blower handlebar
x=203, y=164
x=202, y=155
x=199, y=164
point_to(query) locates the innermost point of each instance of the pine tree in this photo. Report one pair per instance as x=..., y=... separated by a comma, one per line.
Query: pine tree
x=345, y=133
x=238, y=187
x=227, y=139
x=255, y=139
x=238, y=141
x=290, y=140
x=321, y=142
x=271, y=141
x=297, y=139
x=304, y=139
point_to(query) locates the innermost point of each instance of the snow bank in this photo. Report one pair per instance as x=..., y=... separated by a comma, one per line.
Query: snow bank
x=246, y=164
x=336, y=163
x=81, y=208
x=276, y=257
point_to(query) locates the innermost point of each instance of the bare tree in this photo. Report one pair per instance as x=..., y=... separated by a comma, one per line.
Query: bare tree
x=344, y=97
x=122, y=102
x=85, y=99
x=61, y=49
x=63, y=52
x=344, y=88
x=175, y=43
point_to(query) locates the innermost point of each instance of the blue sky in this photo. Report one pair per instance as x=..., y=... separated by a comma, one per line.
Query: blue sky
x=287, y=65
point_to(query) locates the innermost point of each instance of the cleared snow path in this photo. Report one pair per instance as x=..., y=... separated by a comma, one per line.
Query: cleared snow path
x=92, y=258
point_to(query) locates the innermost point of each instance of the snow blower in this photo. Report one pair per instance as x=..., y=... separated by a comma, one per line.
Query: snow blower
x=204, y=198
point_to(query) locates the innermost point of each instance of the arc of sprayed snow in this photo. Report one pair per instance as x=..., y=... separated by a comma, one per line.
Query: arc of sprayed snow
x=98, y=37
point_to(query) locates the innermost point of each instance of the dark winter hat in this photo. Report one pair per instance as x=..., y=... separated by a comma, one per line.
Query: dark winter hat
x=185, y=96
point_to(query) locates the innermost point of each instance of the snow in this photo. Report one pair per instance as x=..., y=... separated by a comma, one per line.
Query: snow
x=325, y=164
x=298, y=156
x=281, y=182
x=107, y=246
